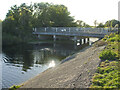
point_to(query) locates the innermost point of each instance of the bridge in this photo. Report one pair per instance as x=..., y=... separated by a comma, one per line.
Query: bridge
x=73, y=33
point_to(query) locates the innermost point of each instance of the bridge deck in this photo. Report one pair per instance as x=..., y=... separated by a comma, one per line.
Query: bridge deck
x=73, y=31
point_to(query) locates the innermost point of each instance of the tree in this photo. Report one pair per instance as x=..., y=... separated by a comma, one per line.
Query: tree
x=60, y=17
x=100, y=25
x=41, y=14
x=50, y=15
x=112, y=23
x=17, y=24
x=20, y=20
x=79, y=23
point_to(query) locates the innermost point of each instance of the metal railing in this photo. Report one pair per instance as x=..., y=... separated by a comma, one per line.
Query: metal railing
x=73, y=30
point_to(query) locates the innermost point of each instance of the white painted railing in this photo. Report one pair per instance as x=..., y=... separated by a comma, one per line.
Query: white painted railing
x=74, y=30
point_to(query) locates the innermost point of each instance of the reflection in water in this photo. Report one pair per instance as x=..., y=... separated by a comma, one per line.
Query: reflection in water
x=78, y=44
x=21, y=62
x=51, y=64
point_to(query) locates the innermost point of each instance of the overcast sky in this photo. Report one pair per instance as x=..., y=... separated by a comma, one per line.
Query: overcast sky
x=86, y=10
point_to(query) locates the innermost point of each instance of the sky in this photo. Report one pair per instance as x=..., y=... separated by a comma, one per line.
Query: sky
x=85, y=10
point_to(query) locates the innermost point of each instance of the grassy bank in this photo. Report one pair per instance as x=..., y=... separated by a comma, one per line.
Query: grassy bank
x=107, y=74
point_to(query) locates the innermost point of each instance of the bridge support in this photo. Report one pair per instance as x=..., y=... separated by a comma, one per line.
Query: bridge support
x=54, y=44
x=75, y=45
x=84, y=40
x=75, y=42
x=88, y=40
x=80, y=41
x=39, y=36
x=54, y=38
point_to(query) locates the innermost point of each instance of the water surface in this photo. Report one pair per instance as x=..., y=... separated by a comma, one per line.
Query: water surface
x=22, y=62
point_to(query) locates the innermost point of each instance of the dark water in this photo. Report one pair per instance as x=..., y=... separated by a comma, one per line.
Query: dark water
x=22, y=62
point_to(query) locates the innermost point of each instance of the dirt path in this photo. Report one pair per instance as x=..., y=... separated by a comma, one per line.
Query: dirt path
x=75, y=73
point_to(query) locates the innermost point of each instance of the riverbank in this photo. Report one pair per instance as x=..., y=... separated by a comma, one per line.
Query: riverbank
x=75, y=73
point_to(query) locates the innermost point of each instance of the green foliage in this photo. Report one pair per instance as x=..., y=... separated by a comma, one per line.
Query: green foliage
x=60, y=17
x=107, y=75
x=9, y=39
x=107, y=55
x=101, y=25
x=112, y=23
x=81, y=23
x=21, y=19
x=14, y=87
x=114, y=38
x=17, y=26
x=50, y=15
x=113, y=41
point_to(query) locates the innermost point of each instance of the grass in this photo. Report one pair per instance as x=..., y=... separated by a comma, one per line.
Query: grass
x=108, y=54
x=107, y=74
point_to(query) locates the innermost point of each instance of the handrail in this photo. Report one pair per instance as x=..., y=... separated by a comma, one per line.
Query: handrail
x=74, y=30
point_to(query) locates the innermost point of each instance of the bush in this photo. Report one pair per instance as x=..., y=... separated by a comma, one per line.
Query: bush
x=98, y=82
x=107, y=55
x=106, y=76
x=14, y=87
x=112, y=39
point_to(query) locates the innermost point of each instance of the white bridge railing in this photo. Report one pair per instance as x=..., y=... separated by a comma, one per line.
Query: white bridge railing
x=73, y=30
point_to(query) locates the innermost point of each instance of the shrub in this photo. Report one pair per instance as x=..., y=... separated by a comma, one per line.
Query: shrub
x=112, y=39
x=98, y=82
x=108, y=75
x=107, y=55
x=14, y=87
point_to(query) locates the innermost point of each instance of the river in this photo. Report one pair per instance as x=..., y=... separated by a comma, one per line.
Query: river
x=22, y=62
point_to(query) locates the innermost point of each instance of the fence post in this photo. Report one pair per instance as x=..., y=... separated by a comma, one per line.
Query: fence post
x=45, y=29
x=83, y=29
x=56, y=29
x=69, y=29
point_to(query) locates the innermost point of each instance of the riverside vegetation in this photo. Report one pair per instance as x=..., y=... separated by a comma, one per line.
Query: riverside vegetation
x=19, y=21
x=107, y=74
